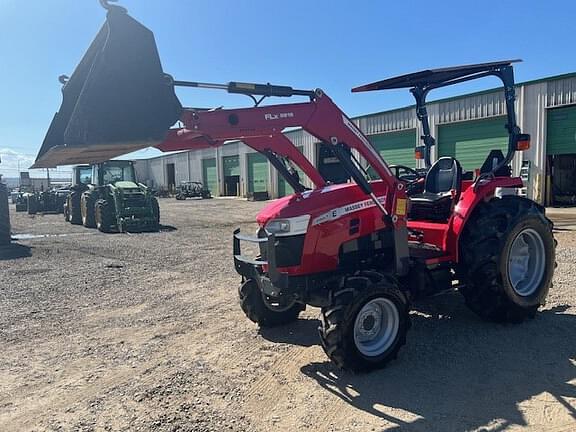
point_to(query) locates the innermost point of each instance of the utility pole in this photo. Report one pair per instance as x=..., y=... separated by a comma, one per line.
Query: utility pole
x=48, y=178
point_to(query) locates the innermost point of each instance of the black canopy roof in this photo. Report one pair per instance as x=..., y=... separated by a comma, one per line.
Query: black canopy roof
x=433, y=76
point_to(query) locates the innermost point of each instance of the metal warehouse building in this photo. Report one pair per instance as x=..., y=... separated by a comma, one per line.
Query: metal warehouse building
x=466, y=127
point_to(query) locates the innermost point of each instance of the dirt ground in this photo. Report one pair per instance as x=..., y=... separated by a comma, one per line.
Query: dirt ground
x=143, y=332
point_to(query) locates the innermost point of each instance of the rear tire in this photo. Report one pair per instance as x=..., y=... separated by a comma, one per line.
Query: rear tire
x=366, y=323
x=88, y=210
x=104, y=217
x=260, y=310
x=507, y=259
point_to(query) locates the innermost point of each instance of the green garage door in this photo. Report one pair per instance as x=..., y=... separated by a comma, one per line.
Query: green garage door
x=210, y=175
x=283, y=187
x=231, y=165
x=561, y=131
x=397, y=148
x=257, y=173
x=471, y=141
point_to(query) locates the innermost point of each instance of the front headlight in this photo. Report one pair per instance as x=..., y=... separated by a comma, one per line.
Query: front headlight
x=289, y=226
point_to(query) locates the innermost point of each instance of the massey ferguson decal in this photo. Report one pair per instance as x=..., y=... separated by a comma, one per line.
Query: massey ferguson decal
x=337, y=213
x=270, y=116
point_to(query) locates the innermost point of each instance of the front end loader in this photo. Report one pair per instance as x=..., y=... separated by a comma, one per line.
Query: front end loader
x=362, y=251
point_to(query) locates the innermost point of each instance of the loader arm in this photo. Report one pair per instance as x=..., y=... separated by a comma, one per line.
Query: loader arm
x=261, y=129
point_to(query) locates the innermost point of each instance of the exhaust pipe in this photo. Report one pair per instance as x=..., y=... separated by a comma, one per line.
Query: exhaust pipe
x=117, y=100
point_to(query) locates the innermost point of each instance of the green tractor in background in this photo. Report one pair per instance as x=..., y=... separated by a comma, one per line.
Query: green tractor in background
x=47, y=201
x=113, y=201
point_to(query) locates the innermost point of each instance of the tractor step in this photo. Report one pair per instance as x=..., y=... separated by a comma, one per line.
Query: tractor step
x=427, y=254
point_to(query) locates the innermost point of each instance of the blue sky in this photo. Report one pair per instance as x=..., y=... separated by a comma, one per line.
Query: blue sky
x=334, y=45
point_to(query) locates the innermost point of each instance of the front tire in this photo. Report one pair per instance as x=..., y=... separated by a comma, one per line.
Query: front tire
x=156, y=213
x=263, y=310
x=104, y=216
x=507, y=259
x=88, y=210
x=366, y=323
x=66, y=211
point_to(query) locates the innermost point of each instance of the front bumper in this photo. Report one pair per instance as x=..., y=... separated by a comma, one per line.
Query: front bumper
x=271, y=282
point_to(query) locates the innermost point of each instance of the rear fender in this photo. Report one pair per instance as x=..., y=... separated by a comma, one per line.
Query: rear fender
x=468, y=202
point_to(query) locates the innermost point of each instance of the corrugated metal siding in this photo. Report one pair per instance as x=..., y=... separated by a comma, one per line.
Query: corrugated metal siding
x=141, y=168
x=561, y=130
x=471, y=142
x=473, y=107
x=156, y=172
x=561, y=92
x=397, y=148
x=386, y=122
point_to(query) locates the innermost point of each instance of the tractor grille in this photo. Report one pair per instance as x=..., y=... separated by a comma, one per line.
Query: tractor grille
x=134, y=199
x=288, y=249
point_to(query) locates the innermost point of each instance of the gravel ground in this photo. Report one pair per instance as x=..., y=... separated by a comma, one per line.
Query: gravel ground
x=143, y=332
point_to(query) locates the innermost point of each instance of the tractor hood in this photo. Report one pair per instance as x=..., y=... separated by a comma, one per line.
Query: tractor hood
x=117, y=100
x=126, y=185
x=323, y=204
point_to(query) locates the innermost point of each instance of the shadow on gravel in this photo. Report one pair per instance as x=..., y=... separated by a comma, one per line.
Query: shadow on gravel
x=14, y=251
x=303, y=332
x=457, y=373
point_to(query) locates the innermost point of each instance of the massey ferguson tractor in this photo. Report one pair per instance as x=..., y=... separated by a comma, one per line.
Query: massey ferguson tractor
x=361, y=251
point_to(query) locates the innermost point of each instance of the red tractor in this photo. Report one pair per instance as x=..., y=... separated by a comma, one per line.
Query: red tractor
x=361, y=251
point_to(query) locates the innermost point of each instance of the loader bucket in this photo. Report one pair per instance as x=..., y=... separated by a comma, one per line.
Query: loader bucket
x=117, y=100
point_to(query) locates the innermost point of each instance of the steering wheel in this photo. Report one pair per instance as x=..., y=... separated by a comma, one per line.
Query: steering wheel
x=405, y=174
x=410, y=177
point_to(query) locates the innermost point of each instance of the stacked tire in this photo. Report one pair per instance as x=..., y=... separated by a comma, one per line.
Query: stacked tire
x=4, y=216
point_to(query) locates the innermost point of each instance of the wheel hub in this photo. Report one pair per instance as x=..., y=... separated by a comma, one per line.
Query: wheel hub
x=370, y=320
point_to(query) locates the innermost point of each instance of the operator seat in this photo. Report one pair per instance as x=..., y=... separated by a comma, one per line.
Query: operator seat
x=442, y=189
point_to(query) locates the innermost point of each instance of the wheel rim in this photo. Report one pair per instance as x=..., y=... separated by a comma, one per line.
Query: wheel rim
x=526, y=262
x=376, y=327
